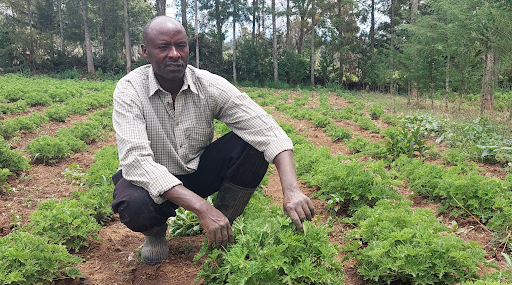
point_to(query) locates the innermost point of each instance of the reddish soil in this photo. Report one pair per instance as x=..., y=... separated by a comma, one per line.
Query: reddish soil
x=113, y=260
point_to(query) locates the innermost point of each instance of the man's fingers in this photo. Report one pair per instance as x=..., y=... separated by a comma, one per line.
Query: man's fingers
x=295, y=219
x=309, y=210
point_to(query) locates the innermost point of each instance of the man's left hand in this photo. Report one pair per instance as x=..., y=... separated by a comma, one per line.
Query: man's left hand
x=298, y=207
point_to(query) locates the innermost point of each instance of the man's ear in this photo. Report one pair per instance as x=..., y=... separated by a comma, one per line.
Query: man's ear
x=144, y=51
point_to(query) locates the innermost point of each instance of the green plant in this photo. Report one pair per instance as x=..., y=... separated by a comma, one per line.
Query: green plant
x=12, y=160
x=48, y=149
x=338, y=133
x=63, y=221
x=408, y=143
x=367, y=124
x=57, y=113
x=268, y=249
x=186, y=223
x=73, y=173
x=30, y=259
x=376, y=111
x=394, y=243
x=358, y=144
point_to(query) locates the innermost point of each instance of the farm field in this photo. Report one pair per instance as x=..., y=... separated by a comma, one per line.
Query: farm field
x=350, y=153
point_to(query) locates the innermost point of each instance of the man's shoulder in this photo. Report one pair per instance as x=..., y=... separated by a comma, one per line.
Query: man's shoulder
x=137, y=75
x=205, y=77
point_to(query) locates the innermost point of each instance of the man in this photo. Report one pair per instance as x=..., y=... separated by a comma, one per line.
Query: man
x=163, y=117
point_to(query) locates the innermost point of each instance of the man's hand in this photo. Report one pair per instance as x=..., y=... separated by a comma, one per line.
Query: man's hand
x=296, y=205
x=216, y=225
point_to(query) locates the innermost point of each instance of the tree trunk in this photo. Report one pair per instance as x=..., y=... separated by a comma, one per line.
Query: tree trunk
x=218, y=24
x=392, y=46
x=340, y=36
x=61, y=26
x=274, y=41
x=372, y=31
x=313, y=33
x=510, y=108
x=288, y=24
x=254, y=7
x=184, y=13
x=414, y=13
x=127, y=42
x=487, y=96
x=160, y=7
x=103, y=25
x=87, y=35
x=197, y=34
x=234, y=40
x=447, y=84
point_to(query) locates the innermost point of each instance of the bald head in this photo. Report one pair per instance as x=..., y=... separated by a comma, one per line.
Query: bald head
x=159, y=21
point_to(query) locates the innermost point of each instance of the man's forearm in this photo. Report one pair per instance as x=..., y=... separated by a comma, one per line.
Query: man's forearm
x=187, y=199
x=286, y=169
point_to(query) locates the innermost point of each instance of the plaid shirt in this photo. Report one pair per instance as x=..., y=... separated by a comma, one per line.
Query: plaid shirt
x=157, y=140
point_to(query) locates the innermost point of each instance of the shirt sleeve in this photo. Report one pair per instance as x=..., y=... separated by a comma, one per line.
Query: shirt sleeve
x=249, y=121
x=136, y=159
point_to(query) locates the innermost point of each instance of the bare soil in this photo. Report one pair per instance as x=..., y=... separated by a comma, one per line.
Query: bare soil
x=113, y=260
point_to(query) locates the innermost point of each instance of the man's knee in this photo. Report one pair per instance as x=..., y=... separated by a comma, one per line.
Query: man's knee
x=136, y=208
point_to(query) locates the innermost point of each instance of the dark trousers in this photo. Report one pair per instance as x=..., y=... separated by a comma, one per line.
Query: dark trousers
x=228, y=158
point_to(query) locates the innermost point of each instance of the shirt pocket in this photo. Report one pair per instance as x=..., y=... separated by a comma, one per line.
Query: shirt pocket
x=197, y=139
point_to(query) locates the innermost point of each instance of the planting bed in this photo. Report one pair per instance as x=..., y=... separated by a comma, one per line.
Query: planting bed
x=113, y=260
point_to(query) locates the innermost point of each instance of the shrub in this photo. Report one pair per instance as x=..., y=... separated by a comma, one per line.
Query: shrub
x=11, y=159
x=268, y=249
x=338, y=133
x=48, y=149
x=63, y=221
x=57, y=113
x=367, y=124
x=394, y=243
x=28, y=259
x=376, y=111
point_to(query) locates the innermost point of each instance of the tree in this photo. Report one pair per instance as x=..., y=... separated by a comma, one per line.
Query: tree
x=313, y=33
x=274, y=42
x=87, y=35
x=128, y=46
x=160, y=7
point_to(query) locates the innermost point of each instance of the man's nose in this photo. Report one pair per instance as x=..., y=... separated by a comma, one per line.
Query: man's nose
x=173, y=52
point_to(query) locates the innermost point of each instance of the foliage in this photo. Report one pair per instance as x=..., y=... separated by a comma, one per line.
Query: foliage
x=9, y=127
x=56, y=113
x=11, y=159
x=461, y=190
x=338, y=133
x=376, y=111
x=268, y=249
x=358, y=144
x=15, y=107
x=49, y=149
x=63, y=221
x=350, y=185
x=367, y=124
x=408, y=143
x=392, y=242
x=29, y=259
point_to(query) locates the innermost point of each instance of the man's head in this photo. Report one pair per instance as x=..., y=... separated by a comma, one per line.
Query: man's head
x=166, y=48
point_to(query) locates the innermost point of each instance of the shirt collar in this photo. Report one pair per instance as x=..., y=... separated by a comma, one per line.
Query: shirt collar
x=187, y=82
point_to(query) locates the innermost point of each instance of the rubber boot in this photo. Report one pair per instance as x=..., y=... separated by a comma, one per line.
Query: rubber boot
x=232, y=199
x=155, y=248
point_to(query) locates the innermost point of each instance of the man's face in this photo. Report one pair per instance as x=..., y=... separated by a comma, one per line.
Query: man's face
x=167, y=49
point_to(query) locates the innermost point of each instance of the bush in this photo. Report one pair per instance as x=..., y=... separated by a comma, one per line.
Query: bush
x=376, y=111
x=57, y=113
x=409, y=246
x=28, y=259
x=63, y=221
x=12, y=159
x=48, y=149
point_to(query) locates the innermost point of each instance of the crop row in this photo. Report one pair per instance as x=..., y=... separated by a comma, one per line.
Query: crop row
x=38, y=250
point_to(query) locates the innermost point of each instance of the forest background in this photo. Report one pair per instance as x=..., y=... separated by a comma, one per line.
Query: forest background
x=425, y=49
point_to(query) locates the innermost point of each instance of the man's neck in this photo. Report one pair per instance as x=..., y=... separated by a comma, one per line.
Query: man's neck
x=171, y=86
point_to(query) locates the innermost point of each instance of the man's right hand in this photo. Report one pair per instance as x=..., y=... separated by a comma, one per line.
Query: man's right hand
x=217, y=227
x=214, y=223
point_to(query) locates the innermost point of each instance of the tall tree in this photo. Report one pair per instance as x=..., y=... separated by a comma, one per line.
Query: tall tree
x=87, y=35
x=235, y=10
x=160, y=7
x=61, y=25
x=184, y=13
x=313, y=33
x=127, y=41
x=274, y=42
x=196, y=18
